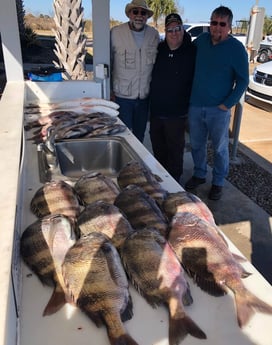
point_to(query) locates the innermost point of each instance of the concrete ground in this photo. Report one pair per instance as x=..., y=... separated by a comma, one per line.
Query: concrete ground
x=246, y=224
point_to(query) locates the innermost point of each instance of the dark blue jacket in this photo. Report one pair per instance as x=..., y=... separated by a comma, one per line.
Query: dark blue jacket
x=221, y=72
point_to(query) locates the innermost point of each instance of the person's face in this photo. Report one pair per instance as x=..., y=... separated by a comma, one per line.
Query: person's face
x=138, y=17
x=174, y=33
x=219, y=28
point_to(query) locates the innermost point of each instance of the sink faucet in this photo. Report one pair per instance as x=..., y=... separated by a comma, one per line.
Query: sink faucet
x=50, y=140
x=48, y=149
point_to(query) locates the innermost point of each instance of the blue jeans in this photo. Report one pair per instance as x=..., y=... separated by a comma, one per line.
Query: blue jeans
x=134, y=114
x=210, y=123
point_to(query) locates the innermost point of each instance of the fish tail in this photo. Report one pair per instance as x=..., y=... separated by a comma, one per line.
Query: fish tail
x=56, y=302
x=116, y=331
x=179, y=328
x=247, y=304
x=124, y=339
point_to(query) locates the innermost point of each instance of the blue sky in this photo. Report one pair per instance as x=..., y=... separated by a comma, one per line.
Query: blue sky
x=193, y=10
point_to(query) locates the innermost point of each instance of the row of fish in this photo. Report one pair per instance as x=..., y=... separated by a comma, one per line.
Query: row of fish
x=85, y=117
x=137, y=227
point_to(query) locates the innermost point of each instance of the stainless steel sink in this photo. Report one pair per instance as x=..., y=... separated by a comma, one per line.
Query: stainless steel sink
x=76, y=157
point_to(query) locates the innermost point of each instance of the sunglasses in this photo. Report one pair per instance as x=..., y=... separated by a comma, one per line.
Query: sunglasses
x=142, y=12
x=215, y=23
x=175, y=29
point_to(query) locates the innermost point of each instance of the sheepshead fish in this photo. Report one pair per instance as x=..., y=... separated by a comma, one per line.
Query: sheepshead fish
x=43, y=247
x=188, y=202
x=140, y=175
x=184, y=201
x=156, y=273
x=96, y=186
x=96, y=282
x=141, y=209
x=55, y=197
x=107, y=218
x=208, y=259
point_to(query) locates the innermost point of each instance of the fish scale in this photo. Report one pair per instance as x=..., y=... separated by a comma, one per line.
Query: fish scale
x=107, y=218
x=140, y=209
x=43, y=246
x=95, y=186
x=156, y=273
x=97, y=283
x=55, y=197
x=207, y=258
x=139, y=174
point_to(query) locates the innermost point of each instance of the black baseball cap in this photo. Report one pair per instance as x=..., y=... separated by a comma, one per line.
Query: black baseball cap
x=173, y=17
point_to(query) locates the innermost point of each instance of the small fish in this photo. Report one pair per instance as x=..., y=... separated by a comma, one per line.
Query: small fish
x=206, y=258
x=96, y=282
x=141, y=209
x=156, y=273
x=83, y=126
x=100, y=109
x=140, y=175
x=55, y=197
x=35, y=120
x=96, y=186
x=43, y=246
x=85, y=108
x=107, y=130
x=73, y=131
x=104, y=217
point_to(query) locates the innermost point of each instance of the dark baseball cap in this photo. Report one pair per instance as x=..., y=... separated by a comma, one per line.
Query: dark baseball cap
x=173, y=17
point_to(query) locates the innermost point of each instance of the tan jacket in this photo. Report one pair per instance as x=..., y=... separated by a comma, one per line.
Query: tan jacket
x=132, y=67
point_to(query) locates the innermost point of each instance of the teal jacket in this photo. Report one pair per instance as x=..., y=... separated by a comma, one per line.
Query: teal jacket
x=221, y=72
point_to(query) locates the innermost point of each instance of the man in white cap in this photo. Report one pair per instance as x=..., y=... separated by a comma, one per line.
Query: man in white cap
x=133, y=53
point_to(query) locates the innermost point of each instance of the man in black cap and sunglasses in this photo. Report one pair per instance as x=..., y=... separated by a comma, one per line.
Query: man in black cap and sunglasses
x=171, y=85
x=133, y=53
x=221, y=77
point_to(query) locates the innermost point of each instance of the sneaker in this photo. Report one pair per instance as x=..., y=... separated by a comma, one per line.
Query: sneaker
x=194, y=182
x=215, y=192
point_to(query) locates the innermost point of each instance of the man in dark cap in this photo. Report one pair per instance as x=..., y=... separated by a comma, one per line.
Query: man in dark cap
x=171, y=84
x=133, y=53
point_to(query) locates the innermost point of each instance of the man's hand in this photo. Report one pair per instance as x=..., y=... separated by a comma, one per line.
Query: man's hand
x=222, y=107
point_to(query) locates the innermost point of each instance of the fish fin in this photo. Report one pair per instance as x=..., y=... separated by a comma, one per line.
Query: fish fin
x=187, y=298
x=194, y=262
x=247, y=304
x=124, y=339
x=158, y=178
x=56, y=302
x=95, y=317
x=127, y=314
x=207, y=283
x=239, y=258
x=179, y=328
x=245, y=274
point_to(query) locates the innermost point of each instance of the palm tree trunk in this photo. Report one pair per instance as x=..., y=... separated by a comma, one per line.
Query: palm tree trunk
x=70, y=40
